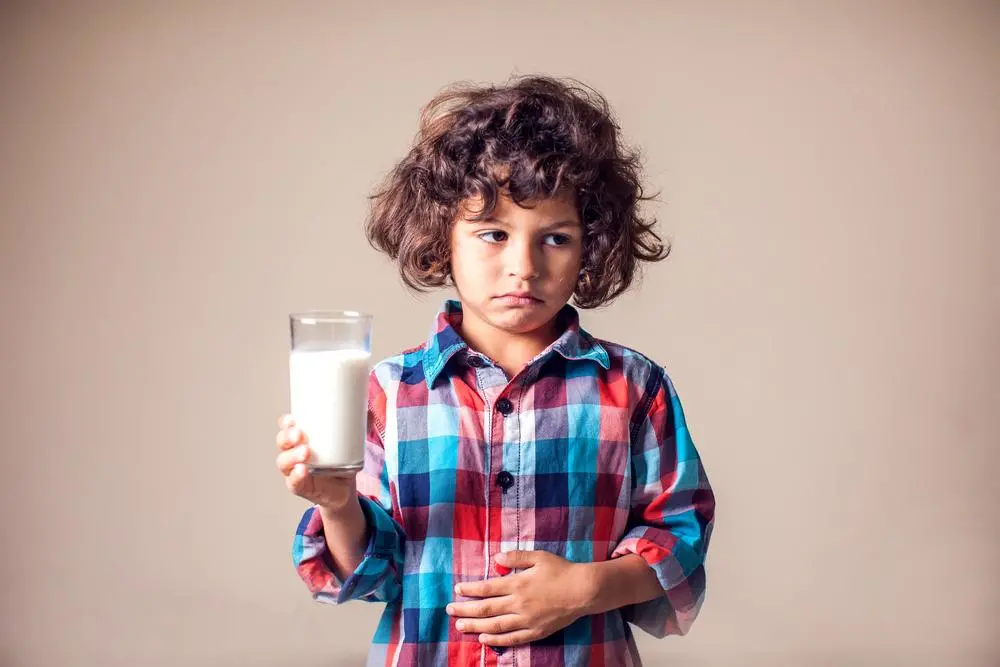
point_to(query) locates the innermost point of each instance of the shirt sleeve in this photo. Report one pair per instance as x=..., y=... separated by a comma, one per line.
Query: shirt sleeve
x=378, y=576
x=672, y=512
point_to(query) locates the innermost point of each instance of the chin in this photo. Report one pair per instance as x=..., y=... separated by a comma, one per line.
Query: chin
x=522, y=320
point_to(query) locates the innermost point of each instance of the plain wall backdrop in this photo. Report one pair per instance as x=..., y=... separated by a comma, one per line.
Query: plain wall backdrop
x=176, y=177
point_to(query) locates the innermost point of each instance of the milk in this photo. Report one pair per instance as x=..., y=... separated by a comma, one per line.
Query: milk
x=329, y=401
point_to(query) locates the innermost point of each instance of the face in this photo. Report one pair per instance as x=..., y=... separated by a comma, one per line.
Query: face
x=517, y=269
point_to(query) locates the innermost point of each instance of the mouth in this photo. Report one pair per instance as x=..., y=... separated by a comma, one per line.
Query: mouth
x=519, y=299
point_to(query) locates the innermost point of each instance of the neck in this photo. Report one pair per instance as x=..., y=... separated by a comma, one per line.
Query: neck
x=511, y=351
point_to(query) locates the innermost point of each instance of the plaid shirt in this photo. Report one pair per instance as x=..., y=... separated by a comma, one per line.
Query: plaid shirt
x=584, y=454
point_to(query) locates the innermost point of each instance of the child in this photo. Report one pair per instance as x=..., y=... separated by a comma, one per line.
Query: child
x=526, y=487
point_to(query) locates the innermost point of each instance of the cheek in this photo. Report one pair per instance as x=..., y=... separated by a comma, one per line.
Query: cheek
x=459, y=254
x=472, y=259
x=567, y=268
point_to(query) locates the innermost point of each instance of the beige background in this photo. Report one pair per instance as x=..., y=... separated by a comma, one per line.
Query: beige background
x=175, y=178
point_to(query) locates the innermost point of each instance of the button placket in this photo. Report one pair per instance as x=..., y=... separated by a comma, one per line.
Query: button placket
x=504, y=479
x=503, y=435
x=510, y=456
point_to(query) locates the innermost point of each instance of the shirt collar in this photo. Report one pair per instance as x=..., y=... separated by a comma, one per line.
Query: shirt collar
x=444, y=341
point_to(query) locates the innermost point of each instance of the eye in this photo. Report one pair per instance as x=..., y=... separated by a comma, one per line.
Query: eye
x=493, y=237
x=557, y=239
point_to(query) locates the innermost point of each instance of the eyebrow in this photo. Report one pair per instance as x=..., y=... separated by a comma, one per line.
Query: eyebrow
x=562, y=224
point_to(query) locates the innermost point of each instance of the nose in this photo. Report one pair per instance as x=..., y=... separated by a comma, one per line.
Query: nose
x=522, y=259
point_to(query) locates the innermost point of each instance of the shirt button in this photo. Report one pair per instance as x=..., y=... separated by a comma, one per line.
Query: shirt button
x=505, y=480
x=505, y=407
x=477, y=362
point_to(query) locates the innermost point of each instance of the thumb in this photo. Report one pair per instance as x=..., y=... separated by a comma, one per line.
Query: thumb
x=515, y=560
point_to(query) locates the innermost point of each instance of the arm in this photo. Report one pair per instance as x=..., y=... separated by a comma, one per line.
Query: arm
x=361, y=540
x=671, y=519
x=346, y=534
x=620, y=582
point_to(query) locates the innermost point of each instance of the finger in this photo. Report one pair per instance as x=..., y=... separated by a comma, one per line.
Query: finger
x=481, y=608
x=515, y=638
x=290, y=437
x=496, y=625
x=296, y=478
x=487, y=588
x=516, y=560
x=289, y=458
x=286, y=422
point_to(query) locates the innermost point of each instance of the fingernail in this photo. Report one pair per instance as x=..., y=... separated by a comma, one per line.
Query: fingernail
x=501, y=569
x=459, y=625
x=293, y=434
x=449, y=609
x=458, y=589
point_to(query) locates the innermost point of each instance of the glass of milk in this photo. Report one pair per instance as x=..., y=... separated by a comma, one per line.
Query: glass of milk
x=329, y=365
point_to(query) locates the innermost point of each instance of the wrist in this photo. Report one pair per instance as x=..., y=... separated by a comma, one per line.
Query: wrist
x=345, y=530
x=340, y=511
x=591, y=584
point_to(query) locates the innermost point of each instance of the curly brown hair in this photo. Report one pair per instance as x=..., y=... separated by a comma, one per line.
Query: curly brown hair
x=533, y=138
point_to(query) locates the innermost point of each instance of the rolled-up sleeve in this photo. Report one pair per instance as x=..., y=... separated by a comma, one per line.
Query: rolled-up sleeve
x=378, y=576
x=672, y=511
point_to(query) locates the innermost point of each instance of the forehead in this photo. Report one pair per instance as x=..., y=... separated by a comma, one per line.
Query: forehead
x=541, y=211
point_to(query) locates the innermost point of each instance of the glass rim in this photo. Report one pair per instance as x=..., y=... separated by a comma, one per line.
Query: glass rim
x=329, y=316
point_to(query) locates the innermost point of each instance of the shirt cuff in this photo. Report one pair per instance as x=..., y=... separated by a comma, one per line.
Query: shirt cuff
x=683, y=583
x=370, y=578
